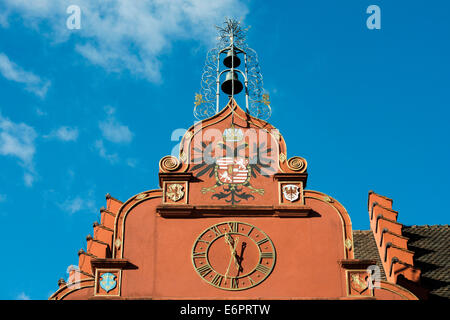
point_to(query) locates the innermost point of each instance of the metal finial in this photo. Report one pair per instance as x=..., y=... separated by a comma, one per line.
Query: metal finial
x=232, y=42
x=231, y=32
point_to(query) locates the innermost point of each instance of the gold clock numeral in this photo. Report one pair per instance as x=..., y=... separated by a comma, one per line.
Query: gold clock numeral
x=216, y=231
x=207, y=242
x=267, y=255
x=204, y=270
x=233, y=226
x=234, y=283
x=250, y=231
x=199, y=255
x=252, y=282
x=262, y=268
x=217, y=280
x=260, y=242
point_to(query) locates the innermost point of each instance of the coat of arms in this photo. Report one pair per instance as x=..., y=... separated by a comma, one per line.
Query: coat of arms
x=357, y=283
x=108, y=282
x=174, y=192
x=291, y=192
x=233, y=172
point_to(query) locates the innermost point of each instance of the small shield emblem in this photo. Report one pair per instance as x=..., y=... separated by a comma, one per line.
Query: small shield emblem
x=231, y=170
x=291, y=192
x=357, y=283
x=175, y=192
x=108, y=281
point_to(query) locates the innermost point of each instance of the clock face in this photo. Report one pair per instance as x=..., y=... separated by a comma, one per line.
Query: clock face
x=233, y=255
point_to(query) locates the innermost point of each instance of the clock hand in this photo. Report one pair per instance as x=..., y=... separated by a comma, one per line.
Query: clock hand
x=228, y=268
x=232, y=250
x=241, y=257
x=229, y=240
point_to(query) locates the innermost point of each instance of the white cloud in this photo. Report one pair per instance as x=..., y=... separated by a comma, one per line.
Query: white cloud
x=40, y=112
x=100, y=147
x=13, y=72
x=18, y=140
x=4, y=20
x=64, y=134
x=28, y=178
x=112, y=130
x=130, y=35
x=23, y=296
x=79, y=203
x=131, y=162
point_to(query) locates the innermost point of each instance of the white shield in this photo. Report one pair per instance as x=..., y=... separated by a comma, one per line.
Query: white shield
x=174, y=192
x=232, y=170
x=291, y=192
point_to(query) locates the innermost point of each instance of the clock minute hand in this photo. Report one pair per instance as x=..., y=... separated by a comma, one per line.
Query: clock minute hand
x=232, y=246
x=233, y=252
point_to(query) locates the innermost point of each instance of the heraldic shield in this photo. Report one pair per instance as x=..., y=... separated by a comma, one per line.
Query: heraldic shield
x=108, y=282
x=291, y=192
x=230, y=170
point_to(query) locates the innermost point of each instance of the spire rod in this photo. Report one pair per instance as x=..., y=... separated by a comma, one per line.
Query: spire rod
x=231, y=44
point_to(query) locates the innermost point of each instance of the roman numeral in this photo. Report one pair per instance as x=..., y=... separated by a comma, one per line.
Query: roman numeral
x=216, y=231
x=266, y=254
x=204, y=270
x=233, y=226
x=234, y=283
x=217, y=280
x=251, y=280
x=250, y=231
x=199, y=255
x=260, y=242
x=207, y=242
x=262, y=268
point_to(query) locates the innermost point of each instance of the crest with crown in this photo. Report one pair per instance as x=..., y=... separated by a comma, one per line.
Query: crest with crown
x=233, y=134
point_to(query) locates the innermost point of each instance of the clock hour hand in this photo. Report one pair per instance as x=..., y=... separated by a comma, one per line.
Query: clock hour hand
x=241, y=256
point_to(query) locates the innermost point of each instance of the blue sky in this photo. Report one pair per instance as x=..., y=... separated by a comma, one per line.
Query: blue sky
x=84, y=112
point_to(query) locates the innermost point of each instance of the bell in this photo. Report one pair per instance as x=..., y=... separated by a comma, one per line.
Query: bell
x=230, y=59
x=232, y=85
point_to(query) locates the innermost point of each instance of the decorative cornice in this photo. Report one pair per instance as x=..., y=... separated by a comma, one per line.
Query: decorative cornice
x=291, y=177
x=103, y=209
x=218, y=210
x=96, y=224
x=81, y=251
x=176, y=176
x=108, y=196
x=111, y=263
x=90, y=238
x=356, y=263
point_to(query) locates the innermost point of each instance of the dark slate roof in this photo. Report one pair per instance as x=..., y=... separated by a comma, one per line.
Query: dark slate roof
x=366, y=248
x=431, y=246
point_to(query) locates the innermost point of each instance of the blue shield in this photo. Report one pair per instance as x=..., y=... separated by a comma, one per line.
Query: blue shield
x=108, y=282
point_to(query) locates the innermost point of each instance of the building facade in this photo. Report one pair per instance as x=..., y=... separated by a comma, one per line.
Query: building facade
x=240, y=223
x=233, y=219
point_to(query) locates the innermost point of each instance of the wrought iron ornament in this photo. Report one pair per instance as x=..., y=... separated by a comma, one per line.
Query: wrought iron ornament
x=231, y=45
